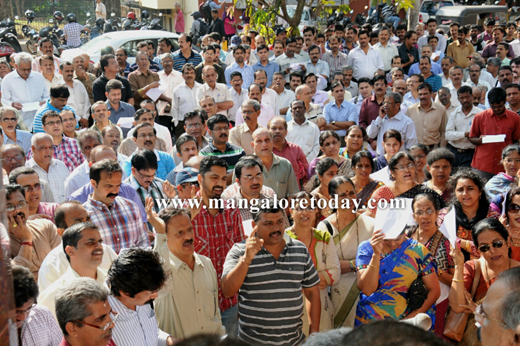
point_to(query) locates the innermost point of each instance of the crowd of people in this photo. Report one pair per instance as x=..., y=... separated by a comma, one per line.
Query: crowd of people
x=118, y=215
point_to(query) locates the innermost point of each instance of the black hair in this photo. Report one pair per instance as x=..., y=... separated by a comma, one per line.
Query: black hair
x=73, y=234
x=489, y=224
x=234, y=74
x=12, y=188
x=141, y=111
x=246, y=162
x=59, y=214
x=378, y=78
x=209, y=161
x=59, y=91
x=268, y=206
x=216, y=119
x=15, y=173
x=144, y=159
x=103, y=62
x=475, y=178
x=441, y=154
x=392, y=133
x=197, y=112
x=140, y=126
x=497, y=95
x=326, y=134
x=167, y=213
x=313, y=47
x=363, y=154
x=421, y=78
x=465, y=89
x=165, y=40
x=394, y=161
x=409, y=34
x=262, y=47
x=113, y=84
x=108, y=166
x=430, y=197
x=425, y=86
x=239, y=47
x=365, y=80
x=183, y=139
x=25, y=287
x=49, y=114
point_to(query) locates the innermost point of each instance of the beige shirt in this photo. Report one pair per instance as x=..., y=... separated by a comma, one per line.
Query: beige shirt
x=188, y=302
x=242, y=136
x=45, y=238
x=101, y=8
x=221, y=93
x=430, y=125
x=128, y=146
x=458, y=124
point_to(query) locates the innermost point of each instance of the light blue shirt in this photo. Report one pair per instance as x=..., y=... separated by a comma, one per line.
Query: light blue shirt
x=23, y=139
x=321, y=68
x=346, y=112
x=214, y=6
x=409, y=98
x=414, y=69
x=269, y=69
x=37, y=123
x=165, y=165
x=157, y=60
x=399, y=122
x=248, y=75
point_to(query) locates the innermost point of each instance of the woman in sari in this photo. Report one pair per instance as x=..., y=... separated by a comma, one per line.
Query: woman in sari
x=348, y=231
x=511, y=220
x=403, y=185
x=354, y=140
x=425, y=212
x=386, y=270
x=323, y=253
x=329, y=145
x=392, y=143
x=363, y=166
x=502, y=182
x=440, y=162
x=318, y=186
x=419, y=153
x=471, y=205
x=492, y=240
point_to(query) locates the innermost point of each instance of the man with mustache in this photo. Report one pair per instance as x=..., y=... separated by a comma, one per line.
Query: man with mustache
x=289, y=57
x=143, y=79
x=364, y=59
x=150, y=117
x=134, y=280
x=46, y=48
x=302, y=132
x=30, y=240
x=269, y=96
x=80, y=73
x=425, y=64
x=82, y=244
x=446, y=64
x=177, y=307
x=118, y=108
x=255, y=92
x=370, y=106
x=8, y=122
x=110, y=69
x=208, y=53
x=474, y=77
x=186, y=148
x=490, y=50
x=218, y=128
x=254, y=268
x=242, y=135
x=184, y=99
x=84, y=300
x=456, y=76
x=283, y=96
x=218, y=91
x=100, y=114
x=444, y=95
x=124, y=66
x=216, y=229
x=239, y=55
x=59, y=96
x=313, y=112
x=513, y=97
x=194, y=126
x=78, y=98
x=112, y=137
x=129, y=145
x=505, y=77
x=340, y=114
x=51, y=77
x=119, y=219
x=238, y=94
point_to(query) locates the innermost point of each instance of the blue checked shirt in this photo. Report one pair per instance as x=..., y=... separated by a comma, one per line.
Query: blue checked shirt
x=248, y=74
x=120, y=225
x=73, y=32
x=67, y=152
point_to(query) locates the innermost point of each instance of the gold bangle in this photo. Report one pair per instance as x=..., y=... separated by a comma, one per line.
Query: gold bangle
x=457, y=280
x=371, y=265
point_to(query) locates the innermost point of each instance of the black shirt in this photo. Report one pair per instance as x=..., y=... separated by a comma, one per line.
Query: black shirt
x=403, y=53
x=99, y=85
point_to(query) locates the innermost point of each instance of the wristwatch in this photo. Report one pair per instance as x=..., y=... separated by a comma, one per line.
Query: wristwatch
x=333, y=123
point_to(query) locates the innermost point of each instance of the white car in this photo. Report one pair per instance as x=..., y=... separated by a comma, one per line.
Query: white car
x=120, y=39
x=429, y=8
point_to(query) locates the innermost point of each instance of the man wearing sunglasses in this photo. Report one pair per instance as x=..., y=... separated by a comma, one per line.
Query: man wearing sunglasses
x=83, y=313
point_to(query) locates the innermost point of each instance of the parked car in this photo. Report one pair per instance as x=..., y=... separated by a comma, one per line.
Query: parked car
x=470, y=15
x=429, y=8
x=121, y=39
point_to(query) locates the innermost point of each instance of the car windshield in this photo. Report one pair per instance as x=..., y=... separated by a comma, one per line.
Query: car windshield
x=431, y=7
x=96, y=44
x=305, y=14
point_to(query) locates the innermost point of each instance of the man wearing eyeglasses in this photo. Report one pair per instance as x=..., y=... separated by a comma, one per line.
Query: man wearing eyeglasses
x=142, y=116
x=242, y=135
x=134, y=280
x=8, y=123
x=83, y=313
x=82, y=243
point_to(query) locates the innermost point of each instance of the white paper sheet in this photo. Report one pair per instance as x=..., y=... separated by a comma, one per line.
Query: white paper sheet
x=445, y=292
x=493, y=139
x=155, y=93
x=392, y=222
x=382, y=175
x=126, y=122
x=449, y=227
x=30, y=106
x=248, y=227
x=322, y=83
x=296, y=66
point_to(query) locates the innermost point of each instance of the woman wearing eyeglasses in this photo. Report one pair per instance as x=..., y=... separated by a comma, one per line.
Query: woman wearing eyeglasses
x=323, y=253
x=502, y=182
x=419, y=153
x=511, y=220
x=348, y=231
x=329, y=145
x=471, y=205
x=425, y=212
x=403, y=185
x=493, y=242
x=318, y=186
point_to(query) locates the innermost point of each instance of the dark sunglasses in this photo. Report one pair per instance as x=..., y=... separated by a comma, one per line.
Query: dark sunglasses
x=497, y=244
x=513, y=208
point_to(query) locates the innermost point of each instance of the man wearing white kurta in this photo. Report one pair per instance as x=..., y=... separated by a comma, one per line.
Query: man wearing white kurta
x=23, y=89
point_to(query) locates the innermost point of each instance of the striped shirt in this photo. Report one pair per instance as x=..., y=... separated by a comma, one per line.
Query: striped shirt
x=56, y=175
x=40, y=328
x=121, y=225
x=179, y=60
x=232, y=154
x=135, y=328
x=270, y=304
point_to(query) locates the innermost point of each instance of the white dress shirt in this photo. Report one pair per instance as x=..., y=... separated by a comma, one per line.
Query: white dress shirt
x=423, y=40
x=37, y=68
x=230, y=59
x=284, y=99
x=162, y=132
x=184, y=100
x=220, y=94
x=387, y=53
x=173, y=80
x=445, y=81
x=57, y=79
x=399, y=122
x=458, y=124
x=306, y=135
x=488, y=77
x=56, y=177
x=364, y=65
x=266, y=114
x=238, y=99
x=78, y=99
x=15, y=89
x=481, y=82
x=270, y=98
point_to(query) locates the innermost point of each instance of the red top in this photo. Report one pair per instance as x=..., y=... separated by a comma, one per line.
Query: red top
x=488, y=156
x=65, y=343
x=369, y=112
x=296, y=157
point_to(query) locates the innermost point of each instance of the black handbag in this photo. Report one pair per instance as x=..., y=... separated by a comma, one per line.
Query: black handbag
x=417, y=294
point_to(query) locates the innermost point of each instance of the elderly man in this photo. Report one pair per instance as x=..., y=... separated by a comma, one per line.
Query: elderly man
x=46, y=48
x=194, y=126
x=56, y=263
x=27, y=178
x=313, y=112
x=50, y=77
x=78, y=98
x=178, y=310
x=218, y=91
x=51, y=170
x=150, y=117
x=208, y=105
x=24, y=90
x=267, y=112
x=446, y=65
x=284, y=96
x=30, y=240
x=172, y=79
x=12, y=135
x=110, y=69
x=128, y=146
x=35, y=323
x=474, y=77
x=13, y=156
x=84, y=300
x=119, y=219
x=242, y=135
x=59, y=97
x=267, y=243
x=142, y=79
x=269, y=96
x=82, y=244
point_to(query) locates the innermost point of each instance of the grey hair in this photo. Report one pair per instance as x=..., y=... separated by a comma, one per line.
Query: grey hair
x=511, y=309
x=483, y=88
x=165, y=56
x=6, y=109
x=36, y=137
x=476, y=64
x=79, y=55
x=94, y=106
x=445, y=89
x=141, y=53
x=392, y=71
x=207, y=96
x=84, y=135
x=331, y=337
x=396, y=97
x=347, y=68
x=249, y=102
x=72, y=302
x=246, y=46
x=427, y=45
x=494, y=61
x=23, y=57
x=177, y=4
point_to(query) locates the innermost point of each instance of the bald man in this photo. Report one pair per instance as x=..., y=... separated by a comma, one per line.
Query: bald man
x=218, y=91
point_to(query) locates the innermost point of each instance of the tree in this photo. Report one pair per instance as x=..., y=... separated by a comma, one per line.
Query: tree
x=6, y=9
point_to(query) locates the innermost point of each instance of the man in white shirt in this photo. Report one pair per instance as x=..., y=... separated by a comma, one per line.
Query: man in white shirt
x=431, y=27
x=46, y=48
x=149, y=117
x=284, y=96
x=23, y=89
x=266, y=111
x=269, y=96
x=302, y=132
x=474, y=77
x=179, y=310
x=218, y=91
x=101, y=10
x=364, y=59
x=386, y=49
x=172, y=79
x=456, y=75
x=184, y=98
x=51, y=77
x=289, y=57
x=459, y=126
x=78, y=99
x=351, y=86
x=492, y=66
x=238, y=94
x=446, y=65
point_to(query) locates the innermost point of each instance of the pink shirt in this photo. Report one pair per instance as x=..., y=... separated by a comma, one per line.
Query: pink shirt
x=47, y=209
x=179, y=22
